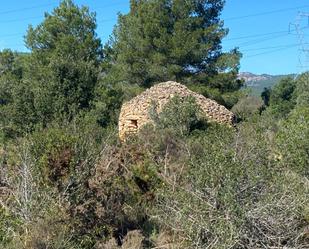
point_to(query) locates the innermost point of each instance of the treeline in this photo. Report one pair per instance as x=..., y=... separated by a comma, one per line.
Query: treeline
x=183, y=182
x=68, y=71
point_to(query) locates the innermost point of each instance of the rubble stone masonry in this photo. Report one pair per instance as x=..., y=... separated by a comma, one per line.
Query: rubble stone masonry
x=135, y=113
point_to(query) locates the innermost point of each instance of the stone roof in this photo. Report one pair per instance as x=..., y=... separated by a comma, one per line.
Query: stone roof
x=135, y=113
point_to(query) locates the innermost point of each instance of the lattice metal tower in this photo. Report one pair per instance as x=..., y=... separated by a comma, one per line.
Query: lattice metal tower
x=301, y=27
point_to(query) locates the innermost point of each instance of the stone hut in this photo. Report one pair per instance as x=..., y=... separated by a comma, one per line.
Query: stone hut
x=135, y=113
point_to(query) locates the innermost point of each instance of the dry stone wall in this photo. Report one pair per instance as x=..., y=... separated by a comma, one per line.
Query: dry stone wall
x=135, y=113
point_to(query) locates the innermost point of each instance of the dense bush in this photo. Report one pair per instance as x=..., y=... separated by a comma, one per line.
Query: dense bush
x=293, y=141
x=177, y=182
x=66, y=181
x=181, y=116
x=247, y=107
x=302, y=89
x=283, y=97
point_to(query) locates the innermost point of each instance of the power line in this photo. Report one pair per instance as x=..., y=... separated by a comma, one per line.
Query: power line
x=250, y=43
x=290, y=32
x=261, y=40
x=256, y=41
x=52, y=4
x=26, y=8
x=20, y=34
x=257, y=35
x=244, y=44
x=264, y=34
x=265, y=13
x=20, y=20
x=283, y=32
x=115, y=19
x=272, y=47
x=121, y=3
x=270, y=52
x=38, y=17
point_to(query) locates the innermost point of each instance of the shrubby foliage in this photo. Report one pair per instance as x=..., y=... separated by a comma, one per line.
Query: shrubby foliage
x=181, y=116
x=302, y=90
x=177, y=183
x=13, y=94
x=247, y=106
x=282, y=98
x=293, y=140
x=183, y=182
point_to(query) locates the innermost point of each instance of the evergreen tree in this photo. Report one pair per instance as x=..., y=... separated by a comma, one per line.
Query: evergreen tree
x=283, y=97
x=14, y=109
x=265, y=95
x=6, y=64
x=64, y=64
x=180, y=40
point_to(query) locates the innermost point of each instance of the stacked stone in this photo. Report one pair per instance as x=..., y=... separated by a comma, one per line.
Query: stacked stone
x=135, y=113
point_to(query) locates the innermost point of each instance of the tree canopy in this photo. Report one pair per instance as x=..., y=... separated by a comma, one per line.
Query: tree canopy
x=161, y=40
x=65, y=58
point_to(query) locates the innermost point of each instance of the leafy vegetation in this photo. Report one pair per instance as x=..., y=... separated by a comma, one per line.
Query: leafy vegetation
x=164, y=40
x=66, y=181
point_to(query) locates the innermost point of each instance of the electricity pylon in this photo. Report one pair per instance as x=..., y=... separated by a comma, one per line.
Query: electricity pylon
x=301, y=27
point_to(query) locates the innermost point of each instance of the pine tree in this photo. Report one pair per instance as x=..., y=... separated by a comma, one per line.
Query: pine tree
x=180, y=40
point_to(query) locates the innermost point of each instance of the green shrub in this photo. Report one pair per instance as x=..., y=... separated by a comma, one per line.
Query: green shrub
x=292, y=141
x=302, y=89
x=8, y=224
x=247, y=107
x=283, y=97
x=180, y=115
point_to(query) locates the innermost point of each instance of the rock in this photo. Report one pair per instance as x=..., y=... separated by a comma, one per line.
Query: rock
x=135, y=113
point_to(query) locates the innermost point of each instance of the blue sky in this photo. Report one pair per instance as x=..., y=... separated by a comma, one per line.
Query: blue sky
x=263, y=38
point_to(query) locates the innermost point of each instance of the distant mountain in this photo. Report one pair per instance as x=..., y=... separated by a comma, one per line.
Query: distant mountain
x=257, y=83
